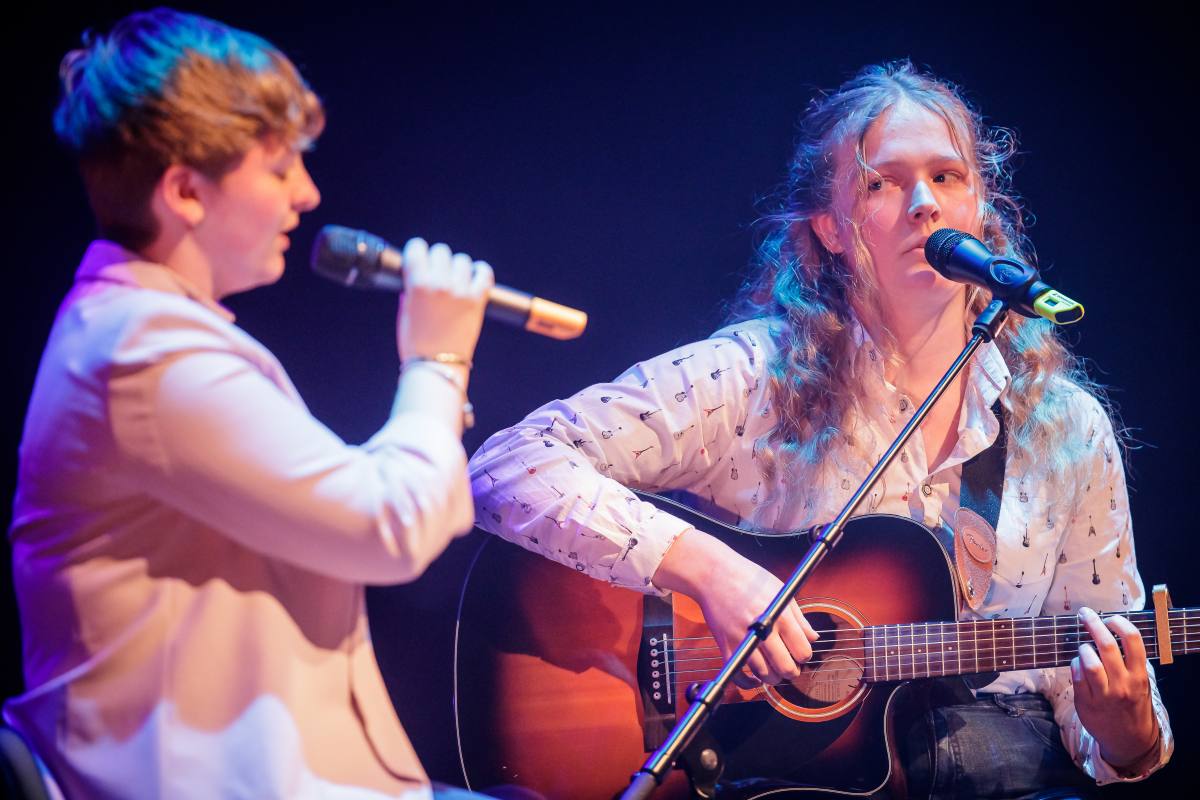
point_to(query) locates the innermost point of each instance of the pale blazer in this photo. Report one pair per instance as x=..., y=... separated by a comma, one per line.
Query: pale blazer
x=189, y=550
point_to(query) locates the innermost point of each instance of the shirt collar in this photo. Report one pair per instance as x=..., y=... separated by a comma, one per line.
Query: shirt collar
x=987, y=374
x=108, y=261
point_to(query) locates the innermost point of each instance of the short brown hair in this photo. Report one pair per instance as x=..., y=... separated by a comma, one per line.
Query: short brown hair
x=163, y=88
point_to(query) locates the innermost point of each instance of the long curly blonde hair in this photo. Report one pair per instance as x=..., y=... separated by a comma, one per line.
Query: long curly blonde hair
x=813, y=292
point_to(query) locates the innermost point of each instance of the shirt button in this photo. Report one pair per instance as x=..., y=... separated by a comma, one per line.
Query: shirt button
x=926, y=489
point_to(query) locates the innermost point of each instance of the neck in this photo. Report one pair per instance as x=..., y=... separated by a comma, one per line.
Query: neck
x=926, y=341
x=179, y=253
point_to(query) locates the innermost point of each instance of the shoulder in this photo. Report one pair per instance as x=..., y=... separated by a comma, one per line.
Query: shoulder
x=756, y=338
x=136, y=326
x=1078, y=409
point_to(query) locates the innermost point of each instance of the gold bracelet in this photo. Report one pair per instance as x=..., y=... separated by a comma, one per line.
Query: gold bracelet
x=468, y=410
x=443, y=358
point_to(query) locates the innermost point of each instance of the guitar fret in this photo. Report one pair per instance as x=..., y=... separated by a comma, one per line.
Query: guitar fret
x=965, y=646
x=879, y=638
x=916, y=651
x=869, y=654
x=1048, y=657
x=1020, y=659
x=924, y=652
x=975, y=643
x=891, y=657
x=904, y=648
x=1054, y=622
x=945, y=645
x=938, y=649
x=950, y=638
x=1012, y=636
x=985, y=647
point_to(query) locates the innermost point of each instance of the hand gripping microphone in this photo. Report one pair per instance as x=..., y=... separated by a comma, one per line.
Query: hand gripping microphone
x=961, y=257
x=357, y=258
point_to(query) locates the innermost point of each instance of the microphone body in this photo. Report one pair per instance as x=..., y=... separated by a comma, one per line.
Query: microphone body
x=961, y=257
x=360, y=259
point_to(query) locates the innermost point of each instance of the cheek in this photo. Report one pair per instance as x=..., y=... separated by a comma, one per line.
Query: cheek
x=878, y=217
x=963, y=208
x=262, y=217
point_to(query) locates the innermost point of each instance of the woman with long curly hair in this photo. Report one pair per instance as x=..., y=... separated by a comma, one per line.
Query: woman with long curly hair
x=841, y=332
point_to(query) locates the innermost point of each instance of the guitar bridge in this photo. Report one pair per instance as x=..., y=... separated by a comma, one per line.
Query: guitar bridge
x=654, y=672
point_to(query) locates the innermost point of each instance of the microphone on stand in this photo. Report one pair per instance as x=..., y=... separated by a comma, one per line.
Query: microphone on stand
x=961, y=257
x=357, y=258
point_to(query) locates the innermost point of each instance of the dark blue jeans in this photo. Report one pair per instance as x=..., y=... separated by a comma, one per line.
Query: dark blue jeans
x=999, y=746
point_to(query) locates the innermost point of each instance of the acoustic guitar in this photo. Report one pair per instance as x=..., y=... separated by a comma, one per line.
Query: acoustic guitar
x=563, y=684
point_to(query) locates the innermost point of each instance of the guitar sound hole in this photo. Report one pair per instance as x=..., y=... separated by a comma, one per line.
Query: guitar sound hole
x=835, y=671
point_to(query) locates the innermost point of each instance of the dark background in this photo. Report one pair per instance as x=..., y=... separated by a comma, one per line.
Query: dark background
x=612, y=161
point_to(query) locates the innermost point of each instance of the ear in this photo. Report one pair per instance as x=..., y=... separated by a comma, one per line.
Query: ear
x=178, y=196
x=825, y=227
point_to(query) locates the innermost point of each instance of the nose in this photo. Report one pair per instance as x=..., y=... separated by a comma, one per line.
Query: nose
x=305, y=195
x=923, y=205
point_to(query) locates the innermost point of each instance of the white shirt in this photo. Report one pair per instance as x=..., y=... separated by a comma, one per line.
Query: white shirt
x=691, y=420
x=190, y=547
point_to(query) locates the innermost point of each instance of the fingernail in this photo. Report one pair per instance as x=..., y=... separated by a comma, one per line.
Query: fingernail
x=1075, y=669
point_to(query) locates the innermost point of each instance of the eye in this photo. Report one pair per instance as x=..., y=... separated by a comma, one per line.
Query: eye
x=947, y=177
x=874, y=184
x=283, y=168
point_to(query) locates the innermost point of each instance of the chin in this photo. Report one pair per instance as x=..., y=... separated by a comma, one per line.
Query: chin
x=263, y=275
x=272, y=271
x=923, y=278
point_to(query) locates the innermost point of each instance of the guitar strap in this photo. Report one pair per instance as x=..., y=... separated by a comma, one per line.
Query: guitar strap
x=983, y=475
x=980, y=491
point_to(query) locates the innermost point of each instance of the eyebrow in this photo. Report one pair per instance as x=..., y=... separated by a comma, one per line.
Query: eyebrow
x=935, y=160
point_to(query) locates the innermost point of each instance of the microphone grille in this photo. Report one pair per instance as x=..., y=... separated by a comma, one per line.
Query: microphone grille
x=941, y=244
x=334, y=250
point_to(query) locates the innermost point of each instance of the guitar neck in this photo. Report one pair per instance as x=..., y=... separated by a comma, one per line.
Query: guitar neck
x=937, y=649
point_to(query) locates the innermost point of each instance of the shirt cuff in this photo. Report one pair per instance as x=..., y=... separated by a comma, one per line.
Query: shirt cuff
x=635, y=566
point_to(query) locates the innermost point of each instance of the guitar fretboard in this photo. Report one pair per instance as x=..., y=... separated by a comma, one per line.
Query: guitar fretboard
x=936, y=649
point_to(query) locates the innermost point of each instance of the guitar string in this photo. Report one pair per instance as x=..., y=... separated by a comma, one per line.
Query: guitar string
x=956, y=631
x=1038, y=623
x=1021, y=647
x=1062, y=651
x=912, y=665
x=937, y=655
x=914, y=670
x=1015, y=644
x=677, y=679
x=911, y=639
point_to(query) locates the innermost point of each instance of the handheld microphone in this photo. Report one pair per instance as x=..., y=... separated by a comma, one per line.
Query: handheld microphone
x=961, y=257
x=357, y=258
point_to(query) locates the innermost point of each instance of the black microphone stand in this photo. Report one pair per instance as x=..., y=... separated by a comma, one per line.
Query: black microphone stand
x=643, y=782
